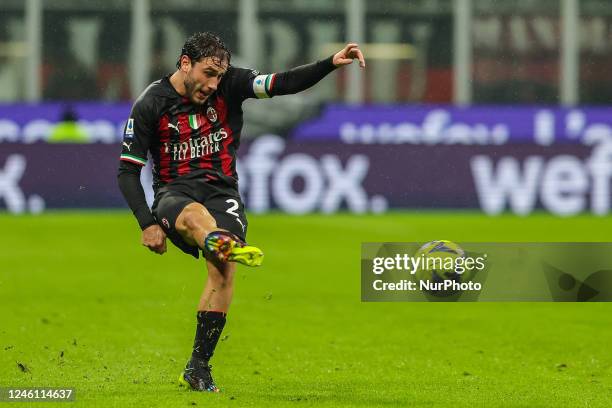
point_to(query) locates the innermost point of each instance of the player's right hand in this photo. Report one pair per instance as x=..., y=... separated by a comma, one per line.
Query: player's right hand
x=154, y=238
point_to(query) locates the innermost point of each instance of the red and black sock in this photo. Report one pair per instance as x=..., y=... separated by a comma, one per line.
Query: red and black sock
x=208, y=331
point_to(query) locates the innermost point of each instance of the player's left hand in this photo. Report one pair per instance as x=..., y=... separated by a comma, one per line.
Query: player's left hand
x=346, y=56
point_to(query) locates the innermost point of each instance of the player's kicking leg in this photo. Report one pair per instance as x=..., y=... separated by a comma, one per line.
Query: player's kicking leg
x=198, y=227
x=221, y=248
x=227, y=247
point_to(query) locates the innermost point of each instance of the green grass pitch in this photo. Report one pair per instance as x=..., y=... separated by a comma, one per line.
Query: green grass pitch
x=83, y=305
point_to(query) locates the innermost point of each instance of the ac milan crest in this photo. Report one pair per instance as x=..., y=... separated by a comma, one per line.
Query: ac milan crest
x=211, y=114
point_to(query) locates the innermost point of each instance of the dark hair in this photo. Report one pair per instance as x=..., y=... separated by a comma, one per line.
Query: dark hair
x=202, y=45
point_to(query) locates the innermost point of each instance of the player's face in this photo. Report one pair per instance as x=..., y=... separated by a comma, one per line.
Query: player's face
x=203, y=78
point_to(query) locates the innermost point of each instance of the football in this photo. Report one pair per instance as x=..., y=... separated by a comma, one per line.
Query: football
x=441, y=261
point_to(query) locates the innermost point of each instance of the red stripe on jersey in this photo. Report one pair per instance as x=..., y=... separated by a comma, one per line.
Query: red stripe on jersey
x=185, y=136
x=165, y=152
x=225, y=156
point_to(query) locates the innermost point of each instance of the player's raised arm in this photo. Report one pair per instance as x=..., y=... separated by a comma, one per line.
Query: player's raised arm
x=303, y=77
x=251, y=84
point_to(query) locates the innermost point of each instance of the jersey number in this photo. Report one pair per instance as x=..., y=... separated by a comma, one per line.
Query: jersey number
x=232, y=211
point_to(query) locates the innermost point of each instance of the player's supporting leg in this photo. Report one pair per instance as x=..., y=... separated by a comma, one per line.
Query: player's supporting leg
x=212, y=311
x=198, y=227
x=219, y=288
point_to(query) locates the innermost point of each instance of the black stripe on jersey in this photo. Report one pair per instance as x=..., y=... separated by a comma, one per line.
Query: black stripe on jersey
x=175, y=140
x=156, y=157
x=231, y=148
x=215, y=157
x=235, y=128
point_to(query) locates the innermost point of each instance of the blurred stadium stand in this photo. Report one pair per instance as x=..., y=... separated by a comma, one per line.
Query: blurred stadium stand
x=455, y=72
x=504, y=53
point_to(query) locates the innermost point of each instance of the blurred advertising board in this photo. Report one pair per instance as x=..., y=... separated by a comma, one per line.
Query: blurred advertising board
x=31, y=123
x=375, y=124
x=477, y=125
x=327, y=177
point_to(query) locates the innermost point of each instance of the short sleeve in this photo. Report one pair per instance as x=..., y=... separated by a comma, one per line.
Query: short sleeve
x=138, y=133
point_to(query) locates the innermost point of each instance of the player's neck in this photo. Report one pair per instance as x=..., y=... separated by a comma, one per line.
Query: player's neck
x=178, y=82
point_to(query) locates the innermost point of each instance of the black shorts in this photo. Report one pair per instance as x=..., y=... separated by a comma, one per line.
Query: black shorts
x=222, y=202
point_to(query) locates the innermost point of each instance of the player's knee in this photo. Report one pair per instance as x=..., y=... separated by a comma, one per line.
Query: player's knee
x=223, y=276
x=194, y=219
x=225, y=283
x=222, y=282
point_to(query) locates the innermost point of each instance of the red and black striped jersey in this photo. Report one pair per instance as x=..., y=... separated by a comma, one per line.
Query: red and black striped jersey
x=189, y=143
x=186, y=139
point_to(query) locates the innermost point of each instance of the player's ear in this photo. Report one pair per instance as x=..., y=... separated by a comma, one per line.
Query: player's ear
x=185, y=63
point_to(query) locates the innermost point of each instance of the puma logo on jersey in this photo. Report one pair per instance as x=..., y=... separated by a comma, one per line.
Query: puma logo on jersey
x=175, y=127
x=128, y=145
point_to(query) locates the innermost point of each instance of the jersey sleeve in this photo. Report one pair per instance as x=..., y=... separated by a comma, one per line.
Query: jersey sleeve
x=138, y=133
x=244, y=83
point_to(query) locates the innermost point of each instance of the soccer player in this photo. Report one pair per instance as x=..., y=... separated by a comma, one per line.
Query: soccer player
x=189, y=123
